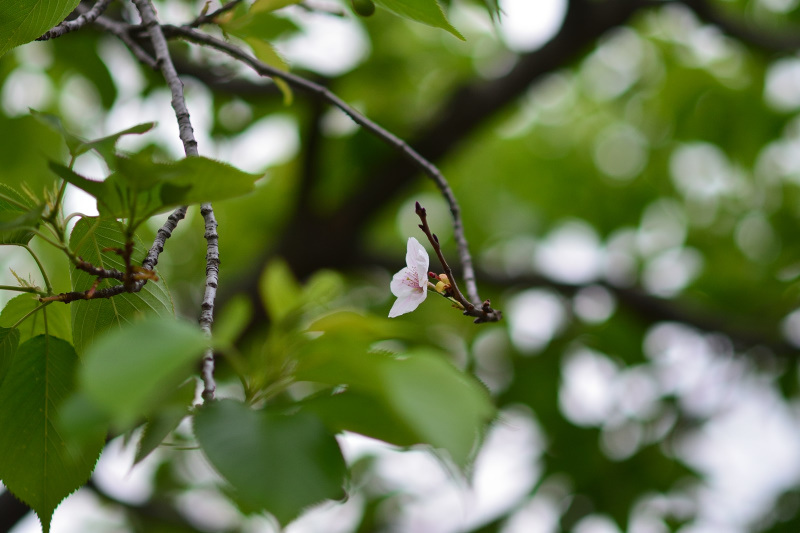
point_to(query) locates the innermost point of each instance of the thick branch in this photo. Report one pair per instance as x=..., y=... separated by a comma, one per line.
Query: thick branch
x=82, y=20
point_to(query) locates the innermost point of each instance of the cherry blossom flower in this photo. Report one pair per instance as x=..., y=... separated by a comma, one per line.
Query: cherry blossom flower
x=410, y=285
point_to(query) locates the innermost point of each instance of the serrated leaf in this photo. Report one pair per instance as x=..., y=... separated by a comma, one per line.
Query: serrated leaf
x=279, y=463
x=22, y=22
x=129, y=371
x=92, y=317
x=104, y=146
x=9, y=340
x=419, y=398
x=165, y=420
x=141, y=188
x=38, y=466
x=14, y=218
x=57, y=317
x=425, y=11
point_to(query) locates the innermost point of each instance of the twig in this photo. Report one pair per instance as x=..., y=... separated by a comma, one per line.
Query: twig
x=209, y=18
x=121, y=31
x=164, y=233
x=301, y=83
x=207, y=314
x=164, y=61
x=484, y=313
x=76, y=24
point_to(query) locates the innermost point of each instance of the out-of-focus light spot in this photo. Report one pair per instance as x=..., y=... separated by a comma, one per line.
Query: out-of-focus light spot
x=790, y=326
x=117, y=476
x=620, y=152
x=620, y=441
x=123, y=67
x=25, y=89
x=35, y=55
x=595, y=523
x=663, y=226
x=586, y=394
x=512, y=257
x=594, y=304
x=336, y=124
x=671, y=271
x=756, y=422
x=527, y=25
x=782, y=85
x=540, y=515
x=702, y=171
x=615, y=66
x=328, y=45
x=638, y=393
x=755, y=237
x=208, y=509
x=570, y=253
x=492, y=362
x=270, y=141
x=779, y=6
x=234, y=115
x=407, y=222
x=620, y=265
x=330, y=517
x=535, y=317
x=79, y=105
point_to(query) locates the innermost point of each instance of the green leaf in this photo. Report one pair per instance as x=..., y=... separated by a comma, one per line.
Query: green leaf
x=272, y=5
x=22, y=22
x=57, y=317
x=130, y=371
x=105, y=146
x=165, y=420
x=38, y=466
x=267, y=53
x=14, y=217
x=425, y=11
x=280, y=292
x=418, y=398
x=91, y=317
x=9, y=340
x=141, y=188
x=279, y=463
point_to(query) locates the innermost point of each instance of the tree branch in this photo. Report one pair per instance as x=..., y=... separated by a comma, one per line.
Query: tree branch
x=767, y=39
x=164, y=60
x=207, y=314
x=82, y=20
x=411, y=155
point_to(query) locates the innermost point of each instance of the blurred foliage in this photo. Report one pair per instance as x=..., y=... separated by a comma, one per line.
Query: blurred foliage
x=634, y=214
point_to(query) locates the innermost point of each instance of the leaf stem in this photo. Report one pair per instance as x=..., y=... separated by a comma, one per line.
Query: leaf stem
x=29, y=313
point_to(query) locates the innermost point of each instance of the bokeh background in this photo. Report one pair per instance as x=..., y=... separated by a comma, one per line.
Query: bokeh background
x=629, y=174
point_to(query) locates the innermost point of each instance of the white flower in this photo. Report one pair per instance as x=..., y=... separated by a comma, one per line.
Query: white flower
x=410, y=285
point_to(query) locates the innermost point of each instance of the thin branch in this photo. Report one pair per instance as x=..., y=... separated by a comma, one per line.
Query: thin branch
x=484, y=313
x=769, y=39
x=395, y=142
x=71, y=25
x=207, y=314
x=121, y=31
x=164, y=61
x=209, y=18
x=164, y=233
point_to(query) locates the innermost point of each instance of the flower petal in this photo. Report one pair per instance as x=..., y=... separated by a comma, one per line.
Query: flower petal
x=404, y=282
x=417, y=259
x=407, y=303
